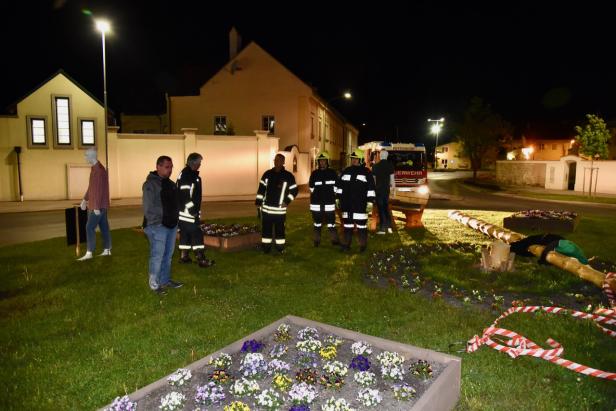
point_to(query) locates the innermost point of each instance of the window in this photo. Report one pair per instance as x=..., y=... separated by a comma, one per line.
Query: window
x=541, y=147
x=37, y=131
x=312, y=127
x=268, y=124
x=62, y=123
x=87, y=130
x=220, y=125
x=446, y=149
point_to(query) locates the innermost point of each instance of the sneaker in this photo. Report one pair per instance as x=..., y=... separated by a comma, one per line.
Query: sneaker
x=390, y=231
x=173, y=284
x=380, y=232
x=87, y=256
x=105, y=252
x=160, y=291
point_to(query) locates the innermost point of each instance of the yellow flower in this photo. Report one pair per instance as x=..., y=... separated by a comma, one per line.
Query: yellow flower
x=237, y=406
x=328, y=352
x=282, y=382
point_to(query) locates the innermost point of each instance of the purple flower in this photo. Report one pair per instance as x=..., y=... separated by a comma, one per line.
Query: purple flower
x=300, y=407
x=360, y=363
x=252, y=346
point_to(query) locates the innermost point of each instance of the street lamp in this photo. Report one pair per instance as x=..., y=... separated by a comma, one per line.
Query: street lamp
x=436, y=129
x=103, y=26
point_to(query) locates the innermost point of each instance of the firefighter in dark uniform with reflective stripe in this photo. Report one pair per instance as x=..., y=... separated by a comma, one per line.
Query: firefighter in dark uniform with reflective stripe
x=323, y=189
x=277, y=189
x=189, y=198
x=356, y=192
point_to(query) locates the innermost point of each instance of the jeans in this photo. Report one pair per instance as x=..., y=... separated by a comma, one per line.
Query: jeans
x=382, y=200
x=162, y=245
x=101, y=221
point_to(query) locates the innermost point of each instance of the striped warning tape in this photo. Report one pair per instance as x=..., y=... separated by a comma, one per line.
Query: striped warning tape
x=516, y=345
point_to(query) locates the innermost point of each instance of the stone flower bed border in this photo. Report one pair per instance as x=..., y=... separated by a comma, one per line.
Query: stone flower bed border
x=442, y=393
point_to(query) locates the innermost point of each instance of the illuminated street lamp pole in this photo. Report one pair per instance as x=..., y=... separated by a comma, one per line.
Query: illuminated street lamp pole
x=436, y=129
x=103, y=26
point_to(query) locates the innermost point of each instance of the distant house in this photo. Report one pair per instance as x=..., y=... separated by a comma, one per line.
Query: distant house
x=450, y=155
x=51, y=126
x=254, y=91
x=540, y=149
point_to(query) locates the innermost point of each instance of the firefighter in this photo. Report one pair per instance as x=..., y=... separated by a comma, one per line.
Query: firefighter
x=323, y=189
x=355, y=195
x=277, y=189
x=189, y=198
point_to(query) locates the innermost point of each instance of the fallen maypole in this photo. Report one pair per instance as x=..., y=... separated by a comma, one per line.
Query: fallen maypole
x=571, y=264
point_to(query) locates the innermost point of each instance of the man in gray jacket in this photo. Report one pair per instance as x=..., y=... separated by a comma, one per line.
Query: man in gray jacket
x=160, y=223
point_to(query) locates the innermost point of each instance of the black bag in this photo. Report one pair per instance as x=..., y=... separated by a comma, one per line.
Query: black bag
x=71, y=225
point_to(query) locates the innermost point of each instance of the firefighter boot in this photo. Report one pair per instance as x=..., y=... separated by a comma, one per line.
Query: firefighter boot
x=317, y=236
x=202, y=261
x=333, y=233
x=185, y=256
x=348, y=236
x=363, y=240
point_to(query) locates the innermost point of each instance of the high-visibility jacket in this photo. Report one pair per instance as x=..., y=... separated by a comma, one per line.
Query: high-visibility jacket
x=322, y=184
x=189, y=197
x=356, y=190
x=276, y=191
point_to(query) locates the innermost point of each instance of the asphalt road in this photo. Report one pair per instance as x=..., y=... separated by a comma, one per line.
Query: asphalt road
x=447, y=193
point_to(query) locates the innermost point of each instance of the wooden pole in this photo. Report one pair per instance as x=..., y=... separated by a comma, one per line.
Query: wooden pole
x=571, y=264
x=78, y=243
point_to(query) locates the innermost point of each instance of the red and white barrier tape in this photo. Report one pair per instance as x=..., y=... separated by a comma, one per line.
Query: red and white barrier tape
x=517, y=345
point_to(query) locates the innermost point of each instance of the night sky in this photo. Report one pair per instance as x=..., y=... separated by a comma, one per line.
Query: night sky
x=541, y=67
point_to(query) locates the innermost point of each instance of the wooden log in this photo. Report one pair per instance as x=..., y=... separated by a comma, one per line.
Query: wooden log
x=570, y=264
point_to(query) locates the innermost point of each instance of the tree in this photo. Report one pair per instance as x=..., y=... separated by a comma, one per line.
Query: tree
x=480, y=131
x=593, y=138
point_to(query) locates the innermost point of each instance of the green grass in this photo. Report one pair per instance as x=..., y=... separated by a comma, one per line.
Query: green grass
x=75, y=335
x=565, y=197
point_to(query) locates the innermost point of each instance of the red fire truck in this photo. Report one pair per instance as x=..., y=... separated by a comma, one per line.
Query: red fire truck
x=411, y=174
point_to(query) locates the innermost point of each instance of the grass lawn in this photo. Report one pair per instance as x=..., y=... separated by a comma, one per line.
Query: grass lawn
x=75, y=335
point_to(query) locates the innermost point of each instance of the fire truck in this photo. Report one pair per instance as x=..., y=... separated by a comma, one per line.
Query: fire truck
x=410, y=173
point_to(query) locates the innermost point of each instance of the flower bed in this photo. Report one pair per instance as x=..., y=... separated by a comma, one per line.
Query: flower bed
x=542, y=220
x=350, y=371
x=230, y=237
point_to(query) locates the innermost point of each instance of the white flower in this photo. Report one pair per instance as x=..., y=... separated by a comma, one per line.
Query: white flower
x=336, y=404
x=222, y=362
x=269, y=400
x=364, y=378
x=361, y=348
x=180, y=377
x=172, y=401
x=302, y=393
x=278, y=367
x=369, y=397
x=243, y=387
x=388, y=358
x=392, y=372
x=335, y=368
x=309, y=345
x=404, y=392
x=308, y=333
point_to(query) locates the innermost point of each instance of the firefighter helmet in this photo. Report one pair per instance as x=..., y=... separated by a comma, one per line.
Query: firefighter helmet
x=323, y=156
x=357, y=153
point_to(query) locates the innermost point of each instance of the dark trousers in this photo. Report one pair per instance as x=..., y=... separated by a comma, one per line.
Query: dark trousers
x=382, y=205
x=362, y=229
x=324, y=217
x=272, y=231
x=191, y=236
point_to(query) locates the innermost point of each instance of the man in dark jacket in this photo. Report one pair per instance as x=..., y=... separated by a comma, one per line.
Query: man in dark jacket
x=160, y=224
x=190, y=191
x=383, y=172
x=323, y=189
x=277, y=189
x=356, y=194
